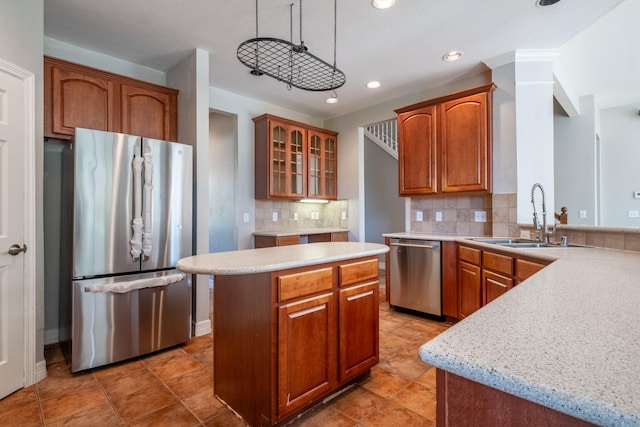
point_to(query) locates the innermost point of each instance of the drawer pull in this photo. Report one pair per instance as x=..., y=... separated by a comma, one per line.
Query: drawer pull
x=308, y=311
x=360, y=295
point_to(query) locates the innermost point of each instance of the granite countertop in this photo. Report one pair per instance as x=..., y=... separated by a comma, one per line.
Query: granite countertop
x=250, y=261
x=296, y=232
x=567, y=338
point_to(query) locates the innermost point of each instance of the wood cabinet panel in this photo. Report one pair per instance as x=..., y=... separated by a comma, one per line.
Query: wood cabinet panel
x=417, y=163
x=81, y=100
x=358, y=272
x=80, y=96
x=148, y=113
x=296, y=285
x=469, y=288
x=299, y=381
x=287, y=167
x=468, y=254
x=526, y=269
x=449, y=279
x=465, y=144
x=494, y=285
x=358, y=323
x=340, y=236
x=445, y=144
x=497, y=262
x=323, y=165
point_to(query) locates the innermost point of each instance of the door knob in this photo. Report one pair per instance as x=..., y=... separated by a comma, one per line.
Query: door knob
x=16, y=249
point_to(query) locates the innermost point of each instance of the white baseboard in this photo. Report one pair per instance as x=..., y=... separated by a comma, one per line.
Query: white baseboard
x=51, y=336
x=202, y=328
x=41, y=370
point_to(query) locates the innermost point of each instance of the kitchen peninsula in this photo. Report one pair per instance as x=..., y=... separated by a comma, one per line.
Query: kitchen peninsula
x=292, y=324
x=561, y=346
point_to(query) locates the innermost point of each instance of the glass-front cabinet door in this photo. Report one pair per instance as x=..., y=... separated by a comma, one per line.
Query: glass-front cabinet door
x=322, y=165
x=287, y=160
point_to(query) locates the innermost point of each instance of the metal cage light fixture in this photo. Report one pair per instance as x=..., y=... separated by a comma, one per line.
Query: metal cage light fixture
x=291, y=63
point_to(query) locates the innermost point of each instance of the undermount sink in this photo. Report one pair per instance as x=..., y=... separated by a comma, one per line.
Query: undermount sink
x=523, y=243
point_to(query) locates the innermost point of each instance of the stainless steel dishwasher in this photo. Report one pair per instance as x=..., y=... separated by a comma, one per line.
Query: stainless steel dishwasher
x=415, y=275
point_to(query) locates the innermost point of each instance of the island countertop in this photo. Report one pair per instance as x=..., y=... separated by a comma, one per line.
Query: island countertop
x=567, y=338
x=250, y=261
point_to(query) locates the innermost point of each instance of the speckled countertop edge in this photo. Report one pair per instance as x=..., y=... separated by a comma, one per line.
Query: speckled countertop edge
x=301, y=232
x=251, y=261
x=517, y=343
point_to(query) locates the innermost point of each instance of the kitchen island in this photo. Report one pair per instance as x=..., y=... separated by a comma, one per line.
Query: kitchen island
x=562, y=347
x=292, y=324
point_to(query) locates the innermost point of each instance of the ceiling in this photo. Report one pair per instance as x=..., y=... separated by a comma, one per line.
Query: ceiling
x=402, y=47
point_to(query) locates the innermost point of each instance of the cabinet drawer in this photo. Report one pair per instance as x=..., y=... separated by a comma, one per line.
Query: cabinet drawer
x=358, y=272
x=299, y=284
x=499, y=263
x=525, y=269
x=469, y=254
x=321, y=237
x=340, y=236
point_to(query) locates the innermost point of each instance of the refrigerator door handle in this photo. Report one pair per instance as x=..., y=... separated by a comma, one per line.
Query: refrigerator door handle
x=136, y=223
x=147, y=200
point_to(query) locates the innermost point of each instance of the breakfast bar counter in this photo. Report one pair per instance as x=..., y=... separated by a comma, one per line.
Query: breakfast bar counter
x=568, y=338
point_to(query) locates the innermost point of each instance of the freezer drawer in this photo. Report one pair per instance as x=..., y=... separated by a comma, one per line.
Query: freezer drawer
x=109, y=326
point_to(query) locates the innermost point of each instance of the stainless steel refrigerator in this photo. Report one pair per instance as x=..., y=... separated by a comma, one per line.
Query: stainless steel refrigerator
x=127, y=222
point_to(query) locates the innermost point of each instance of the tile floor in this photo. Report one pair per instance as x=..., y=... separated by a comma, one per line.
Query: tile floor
x=174, y=388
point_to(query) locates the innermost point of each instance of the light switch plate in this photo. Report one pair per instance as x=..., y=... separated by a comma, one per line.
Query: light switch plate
x=344, y=215
x=582, y=213
x=419, y=216
x=274, y=216
x=245, y=217
x=438, y=216
x=295, y=216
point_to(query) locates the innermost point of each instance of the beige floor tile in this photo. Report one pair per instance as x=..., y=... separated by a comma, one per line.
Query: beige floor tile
x=73, y=402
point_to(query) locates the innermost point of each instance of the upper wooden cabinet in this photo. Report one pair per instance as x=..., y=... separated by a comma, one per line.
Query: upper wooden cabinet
x=79, y=96
x=445, y=144
x=294, y=160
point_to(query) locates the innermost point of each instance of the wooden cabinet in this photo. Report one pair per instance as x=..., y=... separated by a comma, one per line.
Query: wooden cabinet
x=323, y=165
x=417, y=152
x=262, y=241
x=301, y=335
x=306, y=361
x=445, y=144
x=79, y=96
x=294, y=160
x=449, y=279
x=484, y=275
x=526, y=269
x=469, y=281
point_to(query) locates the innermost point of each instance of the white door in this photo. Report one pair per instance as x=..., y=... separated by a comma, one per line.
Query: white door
x=12, y=201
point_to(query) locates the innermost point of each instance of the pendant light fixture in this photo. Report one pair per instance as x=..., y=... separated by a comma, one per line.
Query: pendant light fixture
x=292, y=63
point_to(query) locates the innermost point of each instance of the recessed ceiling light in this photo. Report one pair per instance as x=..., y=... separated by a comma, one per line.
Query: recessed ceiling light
x=373, y=84
x=382, y=4
x=331, y=100
x=454, y=55
x=543, y=3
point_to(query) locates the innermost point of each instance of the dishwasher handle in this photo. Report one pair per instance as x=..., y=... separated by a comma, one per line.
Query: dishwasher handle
x=414, y=245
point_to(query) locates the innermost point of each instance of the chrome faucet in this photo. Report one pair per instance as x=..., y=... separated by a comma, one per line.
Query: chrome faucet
x=543, y=234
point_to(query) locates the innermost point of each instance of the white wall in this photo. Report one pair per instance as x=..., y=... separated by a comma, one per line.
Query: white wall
x=21, y=33
x=246, y=109
x=575, y=159
x=620, y=148
x=222, y=182
x=191, y=77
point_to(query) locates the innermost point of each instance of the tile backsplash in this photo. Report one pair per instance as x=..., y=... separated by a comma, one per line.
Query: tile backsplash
x=291, y=215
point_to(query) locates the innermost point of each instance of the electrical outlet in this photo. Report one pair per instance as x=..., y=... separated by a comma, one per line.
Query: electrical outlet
x=438, y=216
x=295, y=216
x=419, y=216
x=582, y=213
x=344, y=215
x=634, y=213
x=480, y=216
x=636, y=194
x=245, y=217
x=274, y=216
